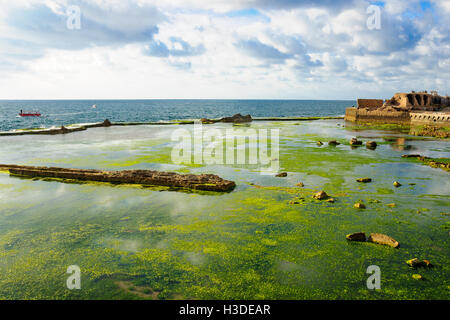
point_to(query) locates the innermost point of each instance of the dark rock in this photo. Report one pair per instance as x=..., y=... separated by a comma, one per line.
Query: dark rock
x=355, y=142
x=237, y=118
x=383, y=239
x=364, y=180
x=333, y=143
x=357, y=236
x=416, y=263
x=281, y=174
x=371, y=144
x=359, y=205
x=411, y=156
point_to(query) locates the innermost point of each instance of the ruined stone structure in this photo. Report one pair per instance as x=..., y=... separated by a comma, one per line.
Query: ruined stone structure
x=415, y=108
x=370, y=104
x=207, y=182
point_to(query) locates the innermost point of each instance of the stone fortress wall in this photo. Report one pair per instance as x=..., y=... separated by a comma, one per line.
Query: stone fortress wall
x=415, y=108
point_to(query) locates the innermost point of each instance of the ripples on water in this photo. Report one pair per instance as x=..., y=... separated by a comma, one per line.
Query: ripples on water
x=64, y=112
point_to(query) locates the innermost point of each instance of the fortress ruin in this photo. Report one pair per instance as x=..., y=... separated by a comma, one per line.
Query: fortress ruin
x=414, y=108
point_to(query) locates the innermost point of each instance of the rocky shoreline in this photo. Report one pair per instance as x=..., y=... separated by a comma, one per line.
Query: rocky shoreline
x=203, y=182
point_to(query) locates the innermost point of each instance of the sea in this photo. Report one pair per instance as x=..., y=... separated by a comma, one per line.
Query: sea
x=56, y=113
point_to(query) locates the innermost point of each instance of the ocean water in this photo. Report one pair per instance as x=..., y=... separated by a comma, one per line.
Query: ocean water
x=65, y=112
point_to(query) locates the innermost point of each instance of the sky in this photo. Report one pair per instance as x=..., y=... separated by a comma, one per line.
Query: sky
x=222, y=49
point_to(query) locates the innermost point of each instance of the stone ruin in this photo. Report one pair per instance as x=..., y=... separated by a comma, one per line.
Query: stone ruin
x=203, y=182
x=403, y=108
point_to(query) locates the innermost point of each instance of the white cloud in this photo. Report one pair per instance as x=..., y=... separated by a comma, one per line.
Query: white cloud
x=193, y=49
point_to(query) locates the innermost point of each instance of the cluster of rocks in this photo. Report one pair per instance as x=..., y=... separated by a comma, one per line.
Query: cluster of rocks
x=237, y=118
x=429, y=161
x=206, y=182
x=377, y=238
x=354, y=142
x=383, y=239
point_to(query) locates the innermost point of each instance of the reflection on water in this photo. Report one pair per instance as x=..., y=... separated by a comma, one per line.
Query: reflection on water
x=247, y=244
x=400, y=144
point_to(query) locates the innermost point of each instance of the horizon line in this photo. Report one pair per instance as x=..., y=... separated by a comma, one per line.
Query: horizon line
x=149, y=99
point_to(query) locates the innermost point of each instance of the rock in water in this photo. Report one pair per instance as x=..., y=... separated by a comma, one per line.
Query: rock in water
x=383, y=239
x=357, y=236
x=300, y=184
x=282, y=174
x=364, y=180
x=371, y=144
x=416, y=263
x=237, y=118
x=355, y=142
x=321, y=195
x=359, y=205
x=319, y=143
x=397, y=184
x=333, y=143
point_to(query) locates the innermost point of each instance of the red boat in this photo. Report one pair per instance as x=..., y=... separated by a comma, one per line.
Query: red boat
x=29, y=114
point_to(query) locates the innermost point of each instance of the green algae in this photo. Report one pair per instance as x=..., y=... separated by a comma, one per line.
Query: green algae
x=248, y=244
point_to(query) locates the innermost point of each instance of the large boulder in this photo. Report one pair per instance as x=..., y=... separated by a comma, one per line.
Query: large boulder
x=371, y=145
x=321, y=195
x=380, y=238
x=357, y=236
x=355, y=142
x=281, y=174
x=237, y=118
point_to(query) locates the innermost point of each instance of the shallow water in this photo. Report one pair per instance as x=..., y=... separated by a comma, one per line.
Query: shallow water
x=134, y=242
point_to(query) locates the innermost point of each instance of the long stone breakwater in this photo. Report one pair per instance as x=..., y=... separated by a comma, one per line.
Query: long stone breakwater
x=204, y=182
x=237, y=118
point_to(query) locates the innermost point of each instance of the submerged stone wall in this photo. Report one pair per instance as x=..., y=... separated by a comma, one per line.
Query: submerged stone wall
x=207, y=182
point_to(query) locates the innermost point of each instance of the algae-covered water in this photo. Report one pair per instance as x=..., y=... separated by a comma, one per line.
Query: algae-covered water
x=135, y=242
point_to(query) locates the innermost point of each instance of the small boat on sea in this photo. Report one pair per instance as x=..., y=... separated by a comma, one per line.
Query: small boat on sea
x=94, y=106
x=29, y=114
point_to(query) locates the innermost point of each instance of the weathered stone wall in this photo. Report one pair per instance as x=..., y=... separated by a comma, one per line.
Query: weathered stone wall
x=351, y=114
x=362, y=115
x=439, y=119
x=370, y=104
